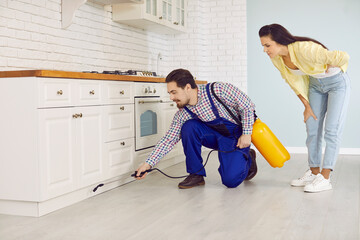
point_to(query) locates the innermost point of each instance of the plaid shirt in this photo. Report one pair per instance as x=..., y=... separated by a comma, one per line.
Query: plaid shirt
x=237, y=101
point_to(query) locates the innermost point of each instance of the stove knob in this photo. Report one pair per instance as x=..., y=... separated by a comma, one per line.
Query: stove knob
x=145, y=90
x=154, y=90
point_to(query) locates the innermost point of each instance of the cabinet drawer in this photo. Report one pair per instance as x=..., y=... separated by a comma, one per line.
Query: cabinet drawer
x=119, y=157
x=88, y=93
x=118, y=122
x=54, y=93
x=116, y=92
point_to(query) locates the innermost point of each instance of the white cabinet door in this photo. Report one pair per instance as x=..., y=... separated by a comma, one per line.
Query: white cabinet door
x=119, y=157
x=56, y=152
x=151, y=10
x=89, y=141
x=118, y=122
x=168, y=110
x=173, y=14
x=70, y=148
x=179, y=13
x=166, y=7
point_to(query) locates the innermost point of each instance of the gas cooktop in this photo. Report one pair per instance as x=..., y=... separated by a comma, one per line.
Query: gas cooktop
x=128, y=72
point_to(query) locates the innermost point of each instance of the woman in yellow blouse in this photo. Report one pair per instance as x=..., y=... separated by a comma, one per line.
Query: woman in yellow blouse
x=318, y=77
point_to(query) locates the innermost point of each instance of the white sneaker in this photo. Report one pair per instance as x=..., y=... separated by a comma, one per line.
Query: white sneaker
x=318, y=185
x=301, y=182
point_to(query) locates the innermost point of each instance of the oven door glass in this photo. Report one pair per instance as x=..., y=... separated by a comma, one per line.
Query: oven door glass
x=148, y=123
x=147, y=120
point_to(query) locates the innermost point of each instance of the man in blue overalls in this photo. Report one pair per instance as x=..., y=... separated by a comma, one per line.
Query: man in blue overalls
x=203, y=120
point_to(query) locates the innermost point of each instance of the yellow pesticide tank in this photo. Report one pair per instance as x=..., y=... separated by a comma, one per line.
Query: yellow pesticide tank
x=268, y=145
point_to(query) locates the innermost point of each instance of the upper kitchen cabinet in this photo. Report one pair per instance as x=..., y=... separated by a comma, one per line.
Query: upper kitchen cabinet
x=107, y=2
x=161, y=16
x=68, y=8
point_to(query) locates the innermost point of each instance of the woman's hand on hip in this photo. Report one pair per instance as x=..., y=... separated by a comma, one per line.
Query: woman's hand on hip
x=328, y=67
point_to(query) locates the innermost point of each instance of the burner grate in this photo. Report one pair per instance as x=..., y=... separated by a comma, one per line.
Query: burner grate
x=128, y=72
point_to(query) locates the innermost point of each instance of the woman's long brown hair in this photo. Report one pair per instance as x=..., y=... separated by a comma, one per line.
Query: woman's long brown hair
x=282, y=36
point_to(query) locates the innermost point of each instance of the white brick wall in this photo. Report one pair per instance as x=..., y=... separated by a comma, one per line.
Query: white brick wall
x=213, y=49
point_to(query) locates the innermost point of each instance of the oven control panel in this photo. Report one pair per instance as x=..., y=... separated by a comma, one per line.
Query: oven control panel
x=147, y=89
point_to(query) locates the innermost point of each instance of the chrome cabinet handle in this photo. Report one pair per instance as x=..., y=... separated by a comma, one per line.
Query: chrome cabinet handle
x=122, y=92
x=80, y=115
x=171, y=105
x=122, y=143
x=122, y=108
x=92, y=92
x=60, y=92
x=156, y=101
x=75, y=116
x=160, y=17
x=176, y=23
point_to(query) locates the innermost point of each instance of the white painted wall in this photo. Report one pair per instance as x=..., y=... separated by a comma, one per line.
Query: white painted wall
x=335, y=24
x=213, y=49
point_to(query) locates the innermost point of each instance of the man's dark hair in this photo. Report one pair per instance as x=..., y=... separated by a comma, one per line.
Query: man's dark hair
x=181, y=77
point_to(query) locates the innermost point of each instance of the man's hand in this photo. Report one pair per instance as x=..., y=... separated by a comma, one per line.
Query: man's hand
x=145, y=166
x=244, y=141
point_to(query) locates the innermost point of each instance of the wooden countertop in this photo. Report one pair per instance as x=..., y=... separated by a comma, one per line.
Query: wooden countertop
x=81, y=75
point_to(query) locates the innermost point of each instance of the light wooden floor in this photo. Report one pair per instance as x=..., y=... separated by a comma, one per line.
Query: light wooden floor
x=154, y=208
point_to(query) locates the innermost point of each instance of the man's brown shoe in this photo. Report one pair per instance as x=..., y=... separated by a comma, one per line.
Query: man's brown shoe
x=192, y=180
x=253, y=168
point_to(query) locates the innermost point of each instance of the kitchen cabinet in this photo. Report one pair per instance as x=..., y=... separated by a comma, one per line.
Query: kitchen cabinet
x=63, y=134
x=89, y=144
x=116, y=92
x=118, y=122
x=168, y=110
x=162, y=16
x=56, y=153
x=173, y=13
x=61, y=138
x=119, y=157
x=68, y=8
x=70, y=149
x=119, y=139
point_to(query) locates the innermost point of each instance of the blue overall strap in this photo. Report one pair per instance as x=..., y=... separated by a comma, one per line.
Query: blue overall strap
x=214, y=109
x=193, y=115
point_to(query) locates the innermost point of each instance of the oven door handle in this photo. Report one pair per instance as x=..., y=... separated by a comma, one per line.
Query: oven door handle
x=143, y=102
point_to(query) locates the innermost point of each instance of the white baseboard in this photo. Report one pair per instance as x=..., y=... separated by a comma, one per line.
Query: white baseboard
x=38, y=209
x=297, y=150
x=345, y=151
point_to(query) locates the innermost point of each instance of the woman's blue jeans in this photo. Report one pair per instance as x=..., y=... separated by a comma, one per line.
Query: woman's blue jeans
x=329, y=100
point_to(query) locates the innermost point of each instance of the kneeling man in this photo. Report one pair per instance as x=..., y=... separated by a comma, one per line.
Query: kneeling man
x=203, y=121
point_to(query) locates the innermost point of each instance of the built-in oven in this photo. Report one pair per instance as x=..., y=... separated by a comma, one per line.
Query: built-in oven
x=148, y=116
